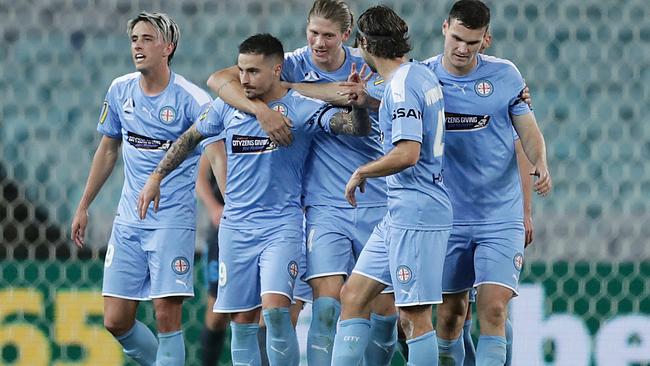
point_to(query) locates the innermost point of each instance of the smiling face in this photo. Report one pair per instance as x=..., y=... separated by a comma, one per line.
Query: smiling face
x=325, y=39
x=461, y=46
x=148, y=50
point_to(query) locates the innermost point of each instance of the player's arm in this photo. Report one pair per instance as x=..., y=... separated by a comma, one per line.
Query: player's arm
x=405, y=154
x=204, y=190
x=100, y=169
x=332, y=93
x=176, y=154
x=226, y=84
x=534, y=146
x=525, y=167
x=354, y=123
x=216, y=154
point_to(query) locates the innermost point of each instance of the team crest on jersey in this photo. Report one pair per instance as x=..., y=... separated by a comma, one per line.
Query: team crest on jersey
x=167, y=114
x=292, y=268
x=104, y=113
x=180, y=265
x=483, y=88
x=404, y=274
x=518, y=261
x=279, y=107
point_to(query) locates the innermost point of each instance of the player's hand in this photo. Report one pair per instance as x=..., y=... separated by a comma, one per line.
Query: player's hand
x=355, y=87
x=529, y=230
x=78, y=229
x=355, y=181
x=543, y=183
x=276, y=125
x=150, y=192
x=526, y=97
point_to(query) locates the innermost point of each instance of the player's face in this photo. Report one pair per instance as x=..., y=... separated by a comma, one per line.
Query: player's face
x=325, y=39
x=461, y=45
x=257, y=74
x=366, y=55
x=148, y=49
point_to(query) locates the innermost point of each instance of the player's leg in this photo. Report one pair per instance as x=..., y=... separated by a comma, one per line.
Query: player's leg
x=370, y=276
x=215, y=325
x=470, y=350
x=416, y=260
x=125, y=282
x=498, y=261
x=328, y=254
x=239, y=291
x=171, y=262
x=457, y=280
x=508, y=337
x=279, y=269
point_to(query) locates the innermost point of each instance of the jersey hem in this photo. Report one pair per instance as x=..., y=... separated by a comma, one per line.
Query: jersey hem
x=404, y=305
x=155, y=227
x=372, y=278
x=237, y=310
x=515, y=292
x=108, y=294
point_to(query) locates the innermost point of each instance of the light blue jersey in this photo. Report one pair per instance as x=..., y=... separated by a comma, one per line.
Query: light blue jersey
x=333, y=159
x=412, y=109
x=480, y=164
x=264, y=181
x=148, y=126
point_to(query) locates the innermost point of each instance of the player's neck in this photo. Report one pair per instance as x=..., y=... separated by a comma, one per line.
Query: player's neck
x=386, y=67
x=459, y=71
x=276, y=92
x=337, y=62
x=154, y=82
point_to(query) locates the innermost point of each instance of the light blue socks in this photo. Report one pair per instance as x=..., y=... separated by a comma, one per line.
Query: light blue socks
x=281, y=340
x=320, y=339
x=470, y=350
x=140, y=344
x=350, y=342
x=383, y=339
x=244, y=348
x=491, y=351
x=171, y=349
x=451, y=352
x=423, y=350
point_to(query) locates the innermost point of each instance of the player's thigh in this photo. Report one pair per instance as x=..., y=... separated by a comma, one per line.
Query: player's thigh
x=239, y=285
x=458, y=273
x=499, y=254
x=416, y=262
x=171, y=262
x=279, y=261
x=329, y=245
x=126, y=271
x=373, y=261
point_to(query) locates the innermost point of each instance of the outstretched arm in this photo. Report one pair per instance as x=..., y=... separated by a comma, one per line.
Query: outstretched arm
x=226, y=84
x=100, y=169
x=173, y=158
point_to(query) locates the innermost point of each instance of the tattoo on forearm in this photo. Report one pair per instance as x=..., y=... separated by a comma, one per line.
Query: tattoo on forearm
x=179, y=151
x=356, y=123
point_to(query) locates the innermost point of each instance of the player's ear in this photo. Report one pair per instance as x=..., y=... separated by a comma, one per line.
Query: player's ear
x=169, y=48
x=445, y=26
x=277, y=69
x=346, y=35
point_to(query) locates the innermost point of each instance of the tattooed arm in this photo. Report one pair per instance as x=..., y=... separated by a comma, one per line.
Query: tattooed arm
x=356, y=123
x=173, y=158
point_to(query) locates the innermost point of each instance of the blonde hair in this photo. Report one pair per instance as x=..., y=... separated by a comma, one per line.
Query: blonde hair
x=337, y=11
x=163, y=23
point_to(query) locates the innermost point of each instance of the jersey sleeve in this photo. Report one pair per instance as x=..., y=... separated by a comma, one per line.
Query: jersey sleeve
x=321, y=118
x=197, y=103
x=211, y=140
x=290, y=66
x=406, y=112
x=517, y=105
x=211, y=120
x=109, y=121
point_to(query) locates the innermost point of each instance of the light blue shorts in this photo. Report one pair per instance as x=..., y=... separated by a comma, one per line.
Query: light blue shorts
x=255, y=262
x=409, y=260
x=484, y=254
x=336, y=236
x=142, y=264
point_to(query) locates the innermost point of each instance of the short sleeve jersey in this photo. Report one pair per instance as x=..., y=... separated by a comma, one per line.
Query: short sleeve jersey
x=334, y=158
x=148, y=126
x=480, y=164
x=412, y=109
x=264, y=181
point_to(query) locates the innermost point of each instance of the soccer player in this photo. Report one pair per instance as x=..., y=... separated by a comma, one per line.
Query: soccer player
x=213, y=333
x=406, y=250
x=260, y=231
x=153, y=258
x=482, y=103
x=336, y=232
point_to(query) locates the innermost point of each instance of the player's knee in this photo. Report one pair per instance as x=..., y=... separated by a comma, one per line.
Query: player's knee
x=352, y=299
x=116, y=326
x=494, y=313
x=217, y=321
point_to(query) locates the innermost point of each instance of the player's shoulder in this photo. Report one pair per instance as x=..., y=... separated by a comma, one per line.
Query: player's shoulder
x=296, y=99
x=190, y=89
x=411, y=74
x=432, y=62
x=124, y=80
x=493, y=64
x=355, y=55
x=297, y=54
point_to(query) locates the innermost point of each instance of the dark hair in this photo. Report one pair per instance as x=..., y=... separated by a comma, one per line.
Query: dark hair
x=385, y=32
x=474, y=14
x=337, y=11
x=262, y=44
